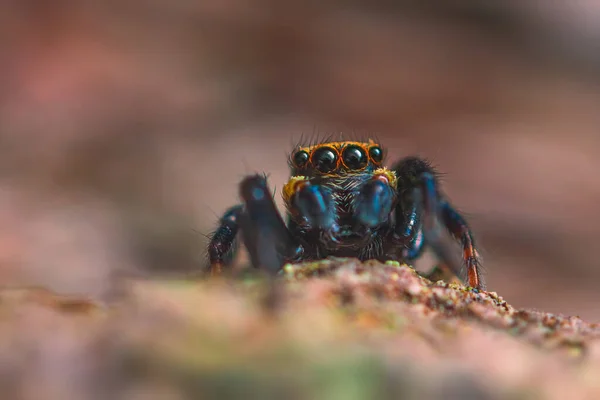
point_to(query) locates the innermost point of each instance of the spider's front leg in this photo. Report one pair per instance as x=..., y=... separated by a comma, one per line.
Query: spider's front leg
x=423, y=213
x=267, y=239
x=269, y=242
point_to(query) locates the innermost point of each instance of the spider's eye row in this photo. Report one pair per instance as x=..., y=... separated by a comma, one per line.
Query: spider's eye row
x=376, y=154
x=301, y=158
x=355, y=157
x=324, y=159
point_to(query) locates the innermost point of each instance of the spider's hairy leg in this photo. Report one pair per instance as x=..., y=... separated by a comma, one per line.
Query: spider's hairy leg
x=458, y=227
x=408, y=229
x=375, y=200
x=266, y=237
x=425, y=215
x=437, y=212
x=311, y=203
x=223, y=244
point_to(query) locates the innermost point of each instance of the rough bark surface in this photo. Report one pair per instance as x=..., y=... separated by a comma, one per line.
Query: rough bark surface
x=336, y=329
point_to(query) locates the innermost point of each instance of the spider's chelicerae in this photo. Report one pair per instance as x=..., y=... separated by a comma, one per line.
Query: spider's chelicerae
x=341, y=201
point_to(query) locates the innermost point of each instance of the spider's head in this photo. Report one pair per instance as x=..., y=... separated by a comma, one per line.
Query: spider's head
x=340, y=189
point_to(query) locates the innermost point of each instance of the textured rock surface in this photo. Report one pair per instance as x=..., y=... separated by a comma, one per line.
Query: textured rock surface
x=336, y=329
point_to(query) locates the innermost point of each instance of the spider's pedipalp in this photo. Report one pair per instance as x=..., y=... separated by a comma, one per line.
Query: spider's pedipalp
x=311, y=204
x=374, y=202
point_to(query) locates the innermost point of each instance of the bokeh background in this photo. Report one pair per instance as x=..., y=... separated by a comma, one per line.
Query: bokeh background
x=126, y=125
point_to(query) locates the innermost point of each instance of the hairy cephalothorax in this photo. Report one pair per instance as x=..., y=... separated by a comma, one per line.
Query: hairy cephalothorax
x=342, y=201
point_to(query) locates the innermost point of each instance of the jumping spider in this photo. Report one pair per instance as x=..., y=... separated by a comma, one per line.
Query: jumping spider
x=341, y=201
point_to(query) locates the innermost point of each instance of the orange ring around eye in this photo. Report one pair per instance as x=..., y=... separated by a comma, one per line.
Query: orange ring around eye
x=375, y=153
x=300, y=158
x=328, y=154
x=362, y=156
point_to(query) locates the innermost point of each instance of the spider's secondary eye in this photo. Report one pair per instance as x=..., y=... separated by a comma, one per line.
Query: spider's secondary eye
x=355, y=157
x=300, y=158
x=324, y=159
x=376, y=154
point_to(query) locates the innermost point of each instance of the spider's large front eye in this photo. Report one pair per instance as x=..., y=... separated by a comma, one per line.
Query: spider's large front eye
x=324, y=159
x=355, y=157
x=376, y=154
x=301, y=158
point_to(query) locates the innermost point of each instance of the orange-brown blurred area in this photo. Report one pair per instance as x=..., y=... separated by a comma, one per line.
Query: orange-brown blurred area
x=126, y=126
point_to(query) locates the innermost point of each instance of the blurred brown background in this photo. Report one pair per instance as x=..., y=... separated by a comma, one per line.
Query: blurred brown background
x=126, y=126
